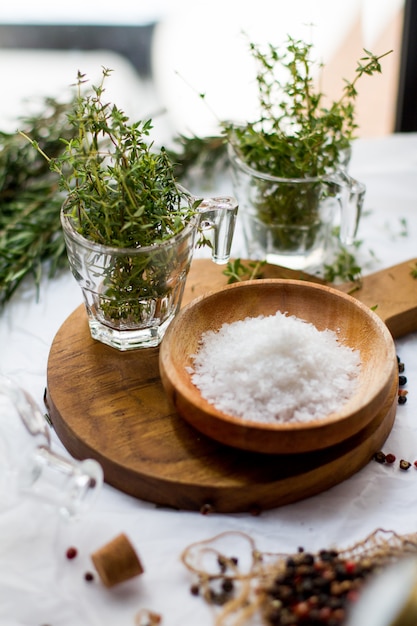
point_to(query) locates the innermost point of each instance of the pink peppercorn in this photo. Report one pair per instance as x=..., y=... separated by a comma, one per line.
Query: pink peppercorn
x=71, y=553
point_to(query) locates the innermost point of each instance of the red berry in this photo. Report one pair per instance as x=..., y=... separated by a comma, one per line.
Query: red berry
x=390, y=458
x=71, y=553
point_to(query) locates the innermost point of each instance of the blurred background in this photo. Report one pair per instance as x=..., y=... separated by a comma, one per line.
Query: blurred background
x=165, y=53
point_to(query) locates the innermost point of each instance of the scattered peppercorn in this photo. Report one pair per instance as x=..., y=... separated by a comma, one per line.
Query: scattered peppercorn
x=390, y=458
x=71, y=553
x=314, y=590
x=379, y=457
x=89, y=577
x=227, y=585
x=195, y=590
x=404, y=465
x=207, y=508
x=402, y=380
x=255, y=510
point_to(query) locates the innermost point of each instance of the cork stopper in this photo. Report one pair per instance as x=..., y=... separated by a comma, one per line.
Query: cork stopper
x=117, y=561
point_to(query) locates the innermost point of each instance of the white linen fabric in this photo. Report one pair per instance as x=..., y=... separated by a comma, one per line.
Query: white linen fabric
x=39, y=585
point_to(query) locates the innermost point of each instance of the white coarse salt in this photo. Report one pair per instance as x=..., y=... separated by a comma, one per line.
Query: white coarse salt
x=275, y=368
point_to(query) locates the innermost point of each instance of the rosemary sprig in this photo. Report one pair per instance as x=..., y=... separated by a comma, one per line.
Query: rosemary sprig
x=30, y=233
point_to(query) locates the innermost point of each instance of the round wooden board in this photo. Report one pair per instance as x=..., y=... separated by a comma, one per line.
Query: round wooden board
x=111, y=406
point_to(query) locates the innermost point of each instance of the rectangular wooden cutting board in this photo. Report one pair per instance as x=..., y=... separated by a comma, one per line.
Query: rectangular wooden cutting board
x=391, y=292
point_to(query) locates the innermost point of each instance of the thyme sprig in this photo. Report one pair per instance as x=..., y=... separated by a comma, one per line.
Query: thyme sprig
x=237, y=271
x=122, y=191
x=344, y=267
x=31, y=192
x=296, y=135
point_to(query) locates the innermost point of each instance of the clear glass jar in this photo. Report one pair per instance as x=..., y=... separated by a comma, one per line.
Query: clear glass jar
x=132, y=294
x=291, y=222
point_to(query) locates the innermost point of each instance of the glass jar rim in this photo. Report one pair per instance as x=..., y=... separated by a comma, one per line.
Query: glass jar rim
x=70, y=230
x=235, y=158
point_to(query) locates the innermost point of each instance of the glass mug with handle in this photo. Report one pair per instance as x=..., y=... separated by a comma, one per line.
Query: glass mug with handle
x=291, y=221
x=132, y=294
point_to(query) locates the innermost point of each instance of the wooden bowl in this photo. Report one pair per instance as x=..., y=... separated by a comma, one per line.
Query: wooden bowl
x=357, y=326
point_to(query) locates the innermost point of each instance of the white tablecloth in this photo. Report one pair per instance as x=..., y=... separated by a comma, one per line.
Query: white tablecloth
x=38, y=585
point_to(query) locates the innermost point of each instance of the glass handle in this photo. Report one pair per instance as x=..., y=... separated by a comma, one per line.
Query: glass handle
x=218, y=220
x=352, y=194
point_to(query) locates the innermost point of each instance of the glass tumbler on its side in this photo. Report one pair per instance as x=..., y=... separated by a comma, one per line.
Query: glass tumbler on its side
x=29, y=467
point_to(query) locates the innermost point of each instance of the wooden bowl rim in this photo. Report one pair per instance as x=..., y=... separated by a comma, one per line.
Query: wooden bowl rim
x=189, y=392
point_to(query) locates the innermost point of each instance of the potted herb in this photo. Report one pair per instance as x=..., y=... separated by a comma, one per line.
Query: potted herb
x=130, y=229
x=289, y=165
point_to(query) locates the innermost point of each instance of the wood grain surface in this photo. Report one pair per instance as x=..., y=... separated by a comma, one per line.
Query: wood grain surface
x=111, y=406
x=391, y=292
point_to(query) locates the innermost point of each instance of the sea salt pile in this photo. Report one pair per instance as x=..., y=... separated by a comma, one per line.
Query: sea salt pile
x=275, y=368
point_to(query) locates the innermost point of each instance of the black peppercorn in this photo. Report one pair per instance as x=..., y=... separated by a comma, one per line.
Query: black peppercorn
x=402, y=380
x=379, y=457
x=195, y=590
x=227, y=585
